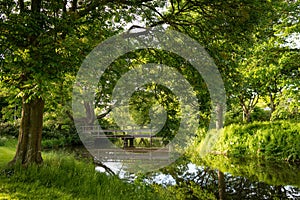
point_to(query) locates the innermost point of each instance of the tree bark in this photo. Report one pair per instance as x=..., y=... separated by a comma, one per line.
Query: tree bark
x=221, y=185
x=246, y=115
x=219, y=120
x=272, y=105
x=221, y=179
x=22, y=5
x=30, y=133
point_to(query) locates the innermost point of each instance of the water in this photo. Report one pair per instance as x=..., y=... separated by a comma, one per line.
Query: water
x=226, y=178
x=234, y=186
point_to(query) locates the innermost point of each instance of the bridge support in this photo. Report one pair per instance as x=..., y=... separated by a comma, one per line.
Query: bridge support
x=128, y=142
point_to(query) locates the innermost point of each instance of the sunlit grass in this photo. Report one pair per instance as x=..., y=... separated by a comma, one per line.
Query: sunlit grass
x=7, y=150
x=277, y=140
x=63, y=177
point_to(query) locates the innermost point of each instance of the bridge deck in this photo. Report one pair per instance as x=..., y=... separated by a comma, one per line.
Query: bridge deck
x=97, y=133
x=132, y=136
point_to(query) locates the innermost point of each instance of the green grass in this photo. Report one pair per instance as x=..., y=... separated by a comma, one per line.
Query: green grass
x=270, y=140
x=7, y=150
x=63, y=177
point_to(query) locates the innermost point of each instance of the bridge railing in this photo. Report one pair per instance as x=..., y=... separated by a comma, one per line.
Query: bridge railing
x=98, y=129
x=126, y=134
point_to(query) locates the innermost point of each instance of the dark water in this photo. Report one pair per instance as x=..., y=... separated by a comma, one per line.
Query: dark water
x=226, y=178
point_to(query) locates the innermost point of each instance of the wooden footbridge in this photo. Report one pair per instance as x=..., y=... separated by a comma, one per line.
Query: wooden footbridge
x=128, y=135
x=103, y=147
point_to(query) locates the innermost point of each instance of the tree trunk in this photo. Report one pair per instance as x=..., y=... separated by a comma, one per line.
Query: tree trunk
x=221, y=179
x=30, y=133
x=219, y=120
x=272, y=105
x=246, y=115
x=221, y=185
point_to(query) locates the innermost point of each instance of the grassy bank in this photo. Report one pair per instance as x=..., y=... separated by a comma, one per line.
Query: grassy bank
x=269, y=140
x=63, y=177
x=7, y=150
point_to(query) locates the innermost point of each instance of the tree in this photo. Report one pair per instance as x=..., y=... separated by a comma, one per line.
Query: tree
x=41, y=41
x=228, y=31
x=149, y=96
x=269, y=65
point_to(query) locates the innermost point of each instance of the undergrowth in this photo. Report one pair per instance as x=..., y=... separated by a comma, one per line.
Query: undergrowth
x=63, y=177
x=270, y=140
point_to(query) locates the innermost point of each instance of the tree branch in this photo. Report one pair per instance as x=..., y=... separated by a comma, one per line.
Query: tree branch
x=100, y=164
x=104, y=114
x=74, y=5
x=22, y=6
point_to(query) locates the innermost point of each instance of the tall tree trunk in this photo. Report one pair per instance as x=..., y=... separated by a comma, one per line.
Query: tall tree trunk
x=30, y=133
x=219, y=113
x=221, y=179
x=221, y=185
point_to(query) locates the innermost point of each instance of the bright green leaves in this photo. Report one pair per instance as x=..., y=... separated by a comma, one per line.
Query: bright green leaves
x=277, y=140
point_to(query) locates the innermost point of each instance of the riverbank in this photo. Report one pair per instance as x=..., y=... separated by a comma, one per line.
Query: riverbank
x=65, y=176
x=277, y=140
x=62, y=176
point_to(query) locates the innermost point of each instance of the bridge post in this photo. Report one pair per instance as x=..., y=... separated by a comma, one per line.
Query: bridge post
x=125, y=143
x=151, y=136
x=131, y=142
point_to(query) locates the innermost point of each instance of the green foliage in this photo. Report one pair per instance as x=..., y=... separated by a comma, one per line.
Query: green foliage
x=63, y=177
x=259, y=114
x=8, y=128
x=60, y=136
x=233, y=117
x=54, y=143
x=52, y=137
x=272, y=140
x=3, y=141
x=153, y=97
x=289, y=106
x=43, y=45
x=245, y=40
x=6, y=150
x=41, y=51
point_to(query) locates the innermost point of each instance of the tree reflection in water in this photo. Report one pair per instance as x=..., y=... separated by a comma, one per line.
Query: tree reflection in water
x=192, y=179
x=247, y=179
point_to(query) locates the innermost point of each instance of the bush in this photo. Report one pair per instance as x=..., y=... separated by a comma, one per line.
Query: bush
x=272, y=140
x=3, y=141
x=232, y=117
x=51, y=137
x=259, y=114
x=9, y=129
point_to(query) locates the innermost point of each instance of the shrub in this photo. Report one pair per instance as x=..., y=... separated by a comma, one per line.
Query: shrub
x=259, y=114
x=3, y=141
x=9, y=129
x=272, y=140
